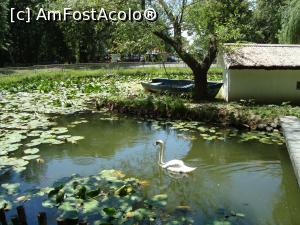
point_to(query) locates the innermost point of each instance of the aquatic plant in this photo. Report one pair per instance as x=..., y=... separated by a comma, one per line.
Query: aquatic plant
x=106, y=198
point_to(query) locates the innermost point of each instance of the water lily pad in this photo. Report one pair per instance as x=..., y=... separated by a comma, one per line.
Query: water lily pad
x=110, y=211
x=159, y=200
x=23, y=198
x=7, y=161
x=30, y=157
x=5, y=204
x=53, y=142
x=91, y=207
x=35, y=133
x=48, y=204
x=74, y=139
x=59, y=130
x=35, y=142
x=11, y=188
x=3, y=152
x=10, y=147
x=63, y=137
x=31, y=151
x=14, y=137
x=19, y=169
x=79, y=122
x=68, y=211
x=202, y=129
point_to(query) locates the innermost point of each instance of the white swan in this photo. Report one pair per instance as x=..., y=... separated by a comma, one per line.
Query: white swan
x=175, y=166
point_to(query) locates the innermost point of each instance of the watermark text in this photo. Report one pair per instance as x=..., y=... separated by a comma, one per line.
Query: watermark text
x=67, y=14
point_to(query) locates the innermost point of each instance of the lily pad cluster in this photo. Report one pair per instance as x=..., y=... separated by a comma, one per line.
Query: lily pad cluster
x=22, y=132
x=6, y=192
x=108, y=198
x=193, y=130
x=227, y=217
x=63, y=101
x=263, y=137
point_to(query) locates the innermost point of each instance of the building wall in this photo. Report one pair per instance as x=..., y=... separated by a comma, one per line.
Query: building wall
x=262, y=85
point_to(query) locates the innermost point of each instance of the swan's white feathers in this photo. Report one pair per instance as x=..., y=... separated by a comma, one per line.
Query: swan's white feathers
x=173, y=163
x=176, y=166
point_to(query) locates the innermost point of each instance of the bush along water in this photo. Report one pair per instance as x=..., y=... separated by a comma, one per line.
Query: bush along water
x=173, y=107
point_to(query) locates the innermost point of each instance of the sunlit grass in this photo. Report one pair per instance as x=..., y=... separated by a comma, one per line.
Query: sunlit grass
x=19, y=75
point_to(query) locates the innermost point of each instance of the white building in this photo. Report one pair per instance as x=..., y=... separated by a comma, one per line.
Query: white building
x=264, y=73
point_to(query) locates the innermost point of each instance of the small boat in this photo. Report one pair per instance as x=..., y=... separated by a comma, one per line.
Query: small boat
x=158, y=85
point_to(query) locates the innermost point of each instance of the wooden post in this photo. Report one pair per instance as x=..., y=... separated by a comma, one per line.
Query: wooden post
x=3, y=217
x=22, y=215
x=71, y=222
x=60, y=221
x=15, y=220
x=42, y=218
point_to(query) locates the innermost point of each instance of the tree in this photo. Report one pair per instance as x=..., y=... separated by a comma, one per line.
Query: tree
x=86, y=41
x=267, y=20
x=211, y=23
x=3, y=29
x=3, y=23
x=290, y=32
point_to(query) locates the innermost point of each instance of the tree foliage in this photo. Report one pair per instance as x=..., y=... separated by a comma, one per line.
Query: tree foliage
x=195, y=29
x=228, y=20
x=290, y=32
x=267, y=20
x=3, y=22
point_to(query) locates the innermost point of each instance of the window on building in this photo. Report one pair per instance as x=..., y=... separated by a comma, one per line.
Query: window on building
x=298, y=85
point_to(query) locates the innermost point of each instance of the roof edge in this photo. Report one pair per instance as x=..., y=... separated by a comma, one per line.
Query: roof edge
x=240, y=67
x=261, y=45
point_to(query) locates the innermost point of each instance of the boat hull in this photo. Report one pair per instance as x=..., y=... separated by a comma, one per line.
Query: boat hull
x=178, y=86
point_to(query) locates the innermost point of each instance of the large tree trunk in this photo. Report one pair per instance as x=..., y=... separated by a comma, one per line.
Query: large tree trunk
x=199, y=68
x=200, y=79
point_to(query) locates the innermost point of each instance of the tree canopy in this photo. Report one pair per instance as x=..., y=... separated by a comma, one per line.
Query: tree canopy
x=267, y=19
x=290, y=32
x=3, y=23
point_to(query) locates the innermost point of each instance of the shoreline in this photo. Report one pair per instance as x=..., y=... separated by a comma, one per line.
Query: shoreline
x=203, y=112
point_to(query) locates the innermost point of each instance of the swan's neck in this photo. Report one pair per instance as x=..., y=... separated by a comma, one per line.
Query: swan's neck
x=161, y=154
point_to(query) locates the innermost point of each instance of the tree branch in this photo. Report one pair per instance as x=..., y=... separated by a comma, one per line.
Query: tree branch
x=211, y=53
x=167, y=10
x=188, y=58
x=184, y=2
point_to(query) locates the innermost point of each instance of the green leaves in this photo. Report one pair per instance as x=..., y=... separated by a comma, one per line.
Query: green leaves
x=31, y=151
x=158, y=200
x=81, y=192
x=110, y=211
x=68, y=211
x=3, y=23
x=124, y=190
x=75, y=139
x=30, y=157
x=263, y=137
x=11, y=188
x=120, y=200
x=291, y=24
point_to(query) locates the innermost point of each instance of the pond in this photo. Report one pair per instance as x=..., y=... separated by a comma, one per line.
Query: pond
x=252, y=179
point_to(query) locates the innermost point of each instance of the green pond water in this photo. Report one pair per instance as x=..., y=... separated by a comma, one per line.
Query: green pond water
x=250, y=178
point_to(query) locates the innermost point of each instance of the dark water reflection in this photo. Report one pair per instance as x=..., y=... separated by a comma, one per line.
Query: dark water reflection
x=251, y=178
